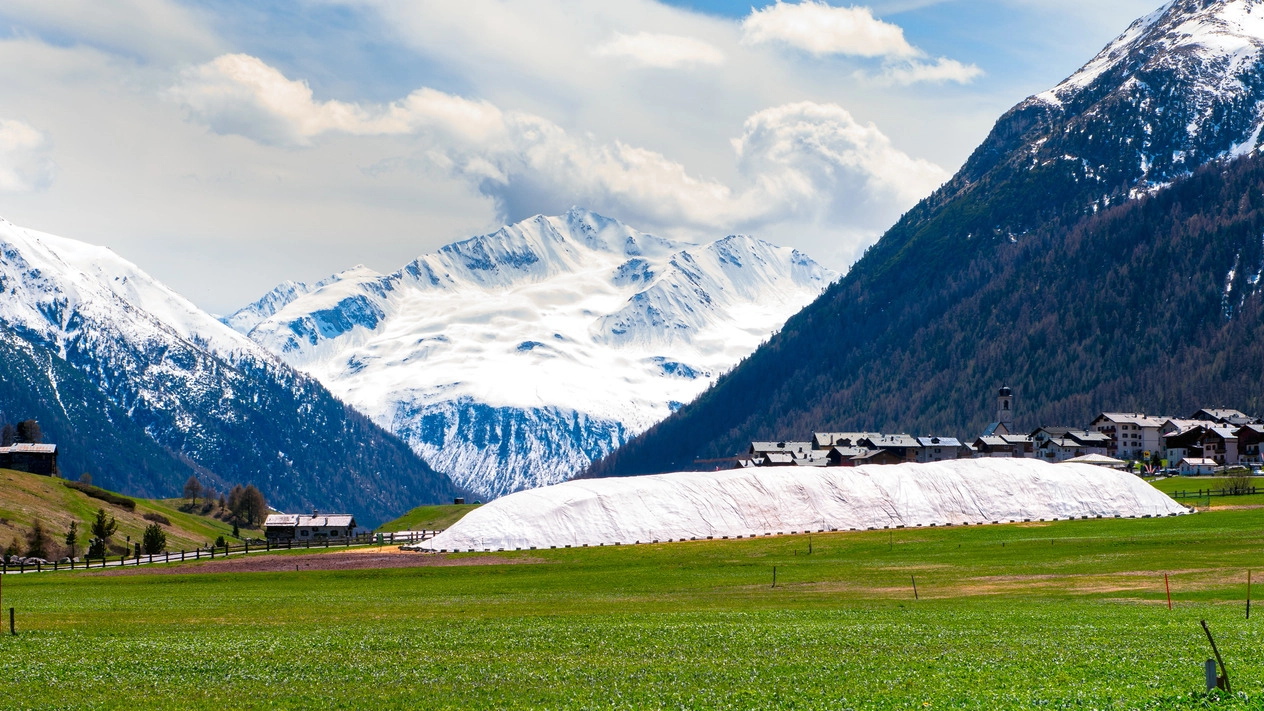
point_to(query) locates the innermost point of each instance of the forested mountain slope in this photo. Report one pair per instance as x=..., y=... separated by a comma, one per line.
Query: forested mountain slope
x=1058, y=261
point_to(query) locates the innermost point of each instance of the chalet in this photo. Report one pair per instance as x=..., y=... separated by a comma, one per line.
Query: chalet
x=30, y=458
x=1249, y=440
x=901, y=447
x=318, y=526
x=1224, y=416
x=845, y=456
x=1198, y=466
x=1132, y=435
x=1058, y=444
x=879, y=456
x=1203, y=441
x=938, y=449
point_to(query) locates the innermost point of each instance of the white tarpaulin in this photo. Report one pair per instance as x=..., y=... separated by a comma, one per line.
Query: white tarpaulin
x=761, y=501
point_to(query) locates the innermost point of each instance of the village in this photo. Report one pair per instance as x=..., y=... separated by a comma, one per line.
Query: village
x=1207, y=442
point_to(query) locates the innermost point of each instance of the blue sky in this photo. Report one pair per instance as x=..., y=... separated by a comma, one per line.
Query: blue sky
x=226, y=146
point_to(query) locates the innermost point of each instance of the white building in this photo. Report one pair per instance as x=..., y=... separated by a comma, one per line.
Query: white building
x=318, y=526
x=1132, y=435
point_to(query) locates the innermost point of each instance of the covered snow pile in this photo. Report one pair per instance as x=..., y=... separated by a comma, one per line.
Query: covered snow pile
x=756, y=502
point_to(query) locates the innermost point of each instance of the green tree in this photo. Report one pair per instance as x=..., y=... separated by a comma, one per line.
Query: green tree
x=72, y=535
x=155, y=541
x=103, y=527
x=36, y=541
x=12, y=550
x=236, y=530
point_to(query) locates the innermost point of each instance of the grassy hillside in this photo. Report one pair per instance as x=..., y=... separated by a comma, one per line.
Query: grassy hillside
x=26, y=497
x=1041, y=615
x=429, y=518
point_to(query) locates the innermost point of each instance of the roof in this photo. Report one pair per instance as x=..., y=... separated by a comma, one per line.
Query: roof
x=1134, y=418
x=1016, y=439
x=939, y=441
x=994, y=428
x=780, y=447
x=825, y=440
x=1100, y=460
x=1223, y=414
x=896, y=441
x=1199, y=462
x=319, y=520
x=993, y=441
x=26, y=448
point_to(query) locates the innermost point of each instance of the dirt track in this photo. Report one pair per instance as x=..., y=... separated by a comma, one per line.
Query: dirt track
x=356, y=559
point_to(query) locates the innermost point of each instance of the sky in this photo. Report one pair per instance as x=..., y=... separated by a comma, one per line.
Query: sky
x=227, y=146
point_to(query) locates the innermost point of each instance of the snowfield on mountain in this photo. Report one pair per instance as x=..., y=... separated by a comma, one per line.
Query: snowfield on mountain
x=778, y=500
x=514, y=359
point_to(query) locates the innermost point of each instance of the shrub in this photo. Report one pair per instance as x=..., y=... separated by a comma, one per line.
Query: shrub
x=157, y=518
x=99, y=493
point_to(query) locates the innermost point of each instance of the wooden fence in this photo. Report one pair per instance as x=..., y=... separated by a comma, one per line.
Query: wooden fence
x=228, y=549
x=1204, y=493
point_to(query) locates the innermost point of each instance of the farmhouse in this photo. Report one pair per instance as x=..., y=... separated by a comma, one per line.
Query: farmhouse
x=1198, y=466
x=291, y=527
x=30, y=458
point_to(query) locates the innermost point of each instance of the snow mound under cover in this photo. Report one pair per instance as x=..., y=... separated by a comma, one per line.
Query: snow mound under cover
x=757, y=502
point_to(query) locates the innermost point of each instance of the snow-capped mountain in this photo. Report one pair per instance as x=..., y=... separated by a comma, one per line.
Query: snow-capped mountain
x=210, y=399
x=514, y=359
x=1179, y=88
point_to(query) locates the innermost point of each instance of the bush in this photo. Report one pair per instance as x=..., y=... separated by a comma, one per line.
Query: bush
x=99, y=493
x=157, y=518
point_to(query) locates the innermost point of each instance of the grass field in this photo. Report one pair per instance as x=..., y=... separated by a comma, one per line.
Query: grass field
x=1191, y=484
x=429, y=518
x=1055, y=615
x=26, y=497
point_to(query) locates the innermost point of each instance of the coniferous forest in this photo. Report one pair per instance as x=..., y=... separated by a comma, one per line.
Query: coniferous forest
x=1150, y=304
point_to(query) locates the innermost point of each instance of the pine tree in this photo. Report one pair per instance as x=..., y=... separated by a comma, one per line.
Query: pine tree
x=36, y=543
x=103, y=527
x=72, y=535
x=155, y=541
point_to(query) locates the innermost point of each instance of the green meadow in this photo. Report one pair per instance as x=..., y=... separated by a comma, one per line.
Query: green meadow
x=1062, y=615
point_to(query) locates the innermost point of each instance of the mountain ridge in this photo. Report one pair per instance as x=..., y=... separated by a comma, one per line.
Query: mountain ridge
x=933, y=318
x=515, y=358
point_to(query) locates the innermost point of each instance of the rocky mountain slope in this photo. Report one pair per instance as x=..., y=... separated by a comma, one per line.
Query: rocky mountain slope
x=1100, y=250
x=514, y=359
x=143, y=389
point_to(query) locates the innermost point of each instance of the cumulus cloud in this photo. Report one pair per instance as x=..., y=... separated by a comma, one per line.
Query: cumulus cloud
x=661, y=51
x=25, y=163
x=802, y=160
x=820, y=29
x=815, y=27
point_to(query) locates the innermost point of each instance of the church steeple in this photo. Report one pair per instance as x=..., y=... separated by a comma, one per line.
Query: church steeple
x=1005, y=408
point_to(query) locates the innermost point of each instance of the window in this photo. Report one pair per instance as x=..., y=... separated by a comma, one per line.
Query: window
x=303, y=532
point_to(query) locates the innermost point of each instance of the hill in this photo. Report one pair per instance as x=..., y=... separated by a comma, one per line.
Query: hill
x=144, y=389
x=429, y=518
x=1065, y=259
x=27, y=497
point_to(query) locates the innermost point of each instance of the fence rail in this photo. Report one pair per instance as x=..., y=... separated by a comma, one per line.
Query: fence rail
x=1204, y=493
x=226, y=550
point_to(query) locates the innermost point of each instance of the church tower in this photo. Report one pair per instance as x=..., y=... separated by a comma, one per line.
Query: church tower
x=1005, y=408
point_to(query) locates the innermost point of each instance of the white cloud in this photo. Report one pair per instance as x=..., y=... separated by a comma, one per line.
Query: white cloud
x=937, y=72
x=25, y=164
x=821, y=29
x=661, y=51
x=798, y=161
x=815, y=27
x=154, y=29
